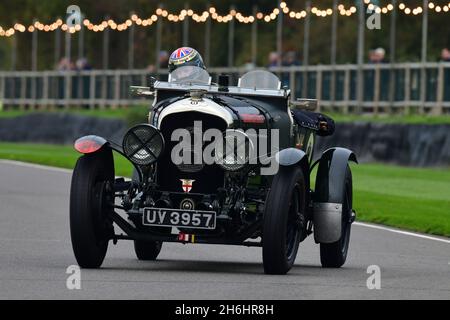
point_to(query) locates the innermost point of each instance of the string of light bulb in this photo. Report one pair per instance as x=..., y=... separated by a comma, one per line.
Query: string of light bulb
x=202, y=17
x=406, y=9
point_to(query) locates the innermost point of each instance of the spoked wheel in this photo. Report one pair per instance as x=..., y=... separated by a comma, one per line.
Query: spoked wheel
x=145, y=250
x=91, y=196
x=334, y=255
x=285, y=205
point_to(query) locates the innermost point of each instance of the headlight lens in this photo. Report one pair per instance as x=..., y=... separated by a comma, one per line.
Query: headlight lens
x=234, y=151
x=143, y=144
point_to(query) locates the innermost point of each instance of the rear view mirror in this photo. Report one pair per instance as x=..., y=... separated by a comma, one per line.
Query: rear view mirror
x=136, y=91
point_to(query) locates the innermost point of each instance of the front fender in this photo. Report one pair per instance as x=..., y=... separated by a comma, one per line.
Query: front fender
x=294, y=157
x=89, y=144
x=329, y=194
x=92, y=144
x=289, y=157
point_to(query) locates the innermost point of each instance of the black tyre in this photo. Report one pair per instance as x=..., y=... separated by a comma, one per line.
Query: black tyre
x=147, y=251
x=91, y=197
x=334, y=255
x=285, y=204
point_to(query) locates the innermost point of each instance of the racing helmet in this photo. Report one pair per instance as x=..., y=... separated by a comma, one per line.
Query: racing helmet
x=185, y=56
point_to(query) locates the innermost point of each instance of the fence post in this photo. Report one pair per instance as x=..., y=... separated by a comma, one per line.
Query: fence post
x=116, y=89
x=158, y=41
x=2, y=91
x=92, y=86
x=68, y=96
x=131, y=45
x=57, y=51
x=104, y=92
x=81, y=39
x=292, y=85
x=376, y=96
x=361, y=46
x=105, y=65
x=280, y=35
x=105, y=55
x=67, y=78
x=34, y=48
x=255, y=36
x=45, y=88
x=14, y=52
x=306, y=48
x=34, y=63
x=423, y=78
x=407, y=104
x=393, y=48
x=231, y=40
x=346, y=91
x=334, y=25
x=186, y=28
x=440, y=90
x=23, y=91
x=208, y=39
x=319, y=88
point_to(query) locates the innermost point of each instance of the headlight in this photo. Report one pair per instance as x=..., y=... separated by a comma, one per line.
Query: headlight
x=143, y=144
x=234, y=151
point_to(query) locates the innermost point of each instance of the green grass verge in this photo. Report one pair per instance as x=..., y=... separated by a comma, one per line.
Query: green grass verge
x=131, y=115
x=99, y=113
x=55, y=155
x=408, y=198
x=394, y=119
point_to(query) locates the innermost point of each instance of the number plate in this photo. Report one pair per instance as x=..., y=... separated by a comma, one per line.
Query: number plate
x=191, y=219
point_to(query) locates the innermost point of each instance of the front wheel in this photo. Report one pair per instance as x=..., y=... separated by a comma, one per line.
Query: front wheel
x=91, y=197
x=285, y=206
x=334, y=255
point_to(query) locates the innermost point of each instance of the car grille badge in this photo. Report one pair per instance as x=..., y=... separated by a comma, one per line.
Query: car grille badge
x=186, y=184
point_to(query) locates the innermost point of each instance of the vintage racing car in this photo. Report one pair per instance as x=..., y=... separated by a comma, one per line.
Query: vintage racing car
x=216, y=164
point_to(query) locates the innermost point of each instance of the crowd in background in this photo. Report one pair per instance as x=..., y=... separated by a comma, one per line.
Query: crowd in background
x=80, y=64
x=289, y=59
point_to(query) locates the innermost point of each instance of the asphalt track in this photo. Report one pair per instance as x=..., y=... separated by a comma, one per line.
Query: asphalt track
x=35, y=251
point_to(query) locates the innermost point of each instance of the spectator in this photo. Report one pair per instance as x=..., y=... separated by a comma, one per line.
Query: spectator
x=163, y=61
x=249, y=66
x=83, y=64
x=377, y=56
x=445, y=55
x=274, y=59
x=291, y=59
x=65, y=65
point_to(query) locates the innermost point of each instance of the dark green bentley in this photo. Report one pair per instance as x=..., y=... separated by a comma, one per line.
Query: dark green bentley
x=216, y=164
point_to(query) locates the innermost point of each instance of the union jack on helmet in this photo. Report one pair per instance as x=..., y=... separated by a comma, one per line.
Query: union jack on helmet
x=185, y=56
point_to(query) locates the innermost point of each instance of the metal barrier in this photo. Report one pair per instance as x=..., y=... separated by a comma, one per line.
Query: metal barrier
x=385, y=87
